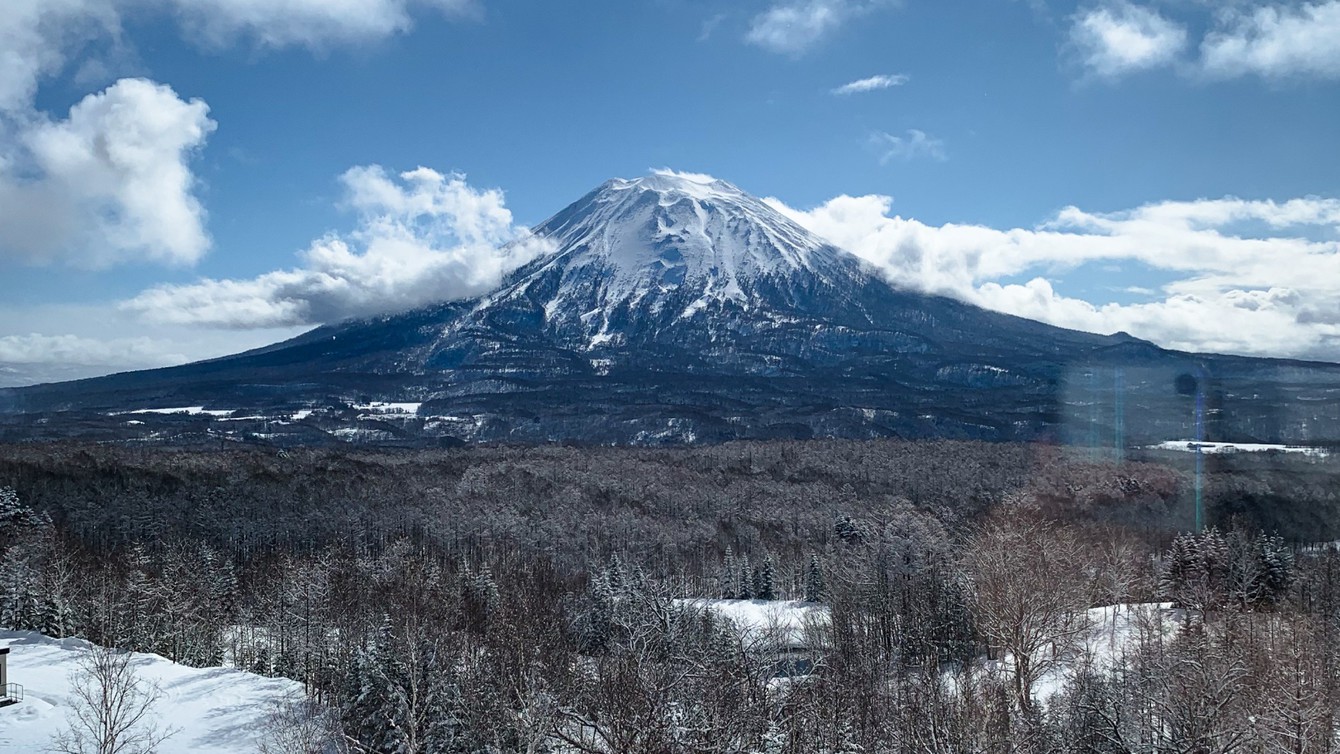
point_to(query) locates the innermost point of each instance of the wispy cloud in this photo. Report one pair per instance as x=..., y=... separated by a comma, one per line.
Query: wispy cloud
x=709, y=26
x=911, y=145
x=794, y=27
x=1121, y=38
x=315, y=24
x=872, y=83
x=39, y=38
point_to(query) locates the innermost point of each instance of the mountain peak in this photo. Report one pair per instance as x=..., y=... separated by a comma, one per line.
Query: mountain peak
x=667, y=181
x=669, y=219
x=671, y=245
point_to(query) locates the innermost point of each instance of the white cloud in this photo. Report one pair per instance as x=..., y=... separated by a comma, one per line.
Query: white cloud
x=709, y=26
x=423, y=237
x=1120, y=38
x=309, y=23
x=702, y=178
x=50, y=342
x=1266, y=293
x=110, y=182
x=1276, y=41
x=872, y=83
x=793, y=27
x=38, y=38
x=37, y=35
x=31, y=359
x=910, y=146
x=76, y=350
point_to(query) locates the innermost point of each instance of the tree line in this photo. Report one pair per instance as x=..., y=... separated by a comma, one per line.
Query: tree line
x=951, y=627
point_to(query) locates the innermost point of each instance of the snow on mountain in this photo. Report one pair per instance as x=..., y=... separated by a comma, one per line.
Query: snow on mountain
x=214, y=710
x=668, y=243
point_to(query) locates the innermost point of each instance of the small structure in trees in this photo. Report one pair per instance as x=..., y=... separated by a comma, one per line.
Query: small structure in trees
x=10, y=693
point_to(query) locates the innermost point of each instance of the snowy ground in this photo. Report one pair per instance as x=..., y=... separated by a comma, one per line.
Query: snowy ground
x=783, y=621
x=215, y=710
x=1236, y=447
x=1113, y=631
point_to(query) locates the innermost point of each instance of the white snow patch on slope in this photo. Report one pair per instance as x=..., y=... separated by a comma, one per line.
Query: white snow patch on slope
x=216, y=710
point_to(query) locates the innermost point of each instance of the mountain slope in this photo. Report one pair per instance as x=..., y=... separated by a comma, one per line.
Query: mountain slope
x=675, y=309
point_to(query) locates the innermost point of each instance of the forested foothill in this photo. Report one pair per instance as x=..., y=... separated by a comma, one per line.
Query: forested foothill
x=978, y=597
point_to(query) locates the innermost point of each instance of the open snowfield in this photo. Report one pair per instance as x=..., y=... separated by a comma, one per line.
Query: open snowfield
x=215, y=710
x=1190, y=446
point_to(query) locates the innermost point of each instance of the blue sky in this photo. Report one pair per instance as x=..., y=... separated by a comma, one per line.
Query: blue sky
x=1166, y=167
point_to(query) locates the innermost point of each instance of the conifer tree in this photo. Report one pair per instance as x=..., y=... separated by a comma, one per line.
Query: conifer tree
x=1277, y=568
x=764, y=580
x=745, y=580
x=726, y=581
x=815, y=587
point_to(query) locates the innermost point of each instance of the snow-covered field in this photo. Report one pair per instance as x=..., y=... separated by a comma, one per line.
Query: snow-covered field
x=191, y=410
x=1235, y=447
x=215, y=710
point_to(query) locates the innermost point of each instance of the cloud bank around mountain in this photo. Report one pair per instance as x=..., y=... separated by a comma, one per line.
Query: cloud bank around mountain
x=1248, y=277
x=422, y=237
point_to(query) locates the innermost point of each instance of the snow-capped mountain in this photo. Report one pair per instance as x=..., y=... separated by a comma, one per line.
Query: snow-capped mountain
x=672, y=246
x=677, y=308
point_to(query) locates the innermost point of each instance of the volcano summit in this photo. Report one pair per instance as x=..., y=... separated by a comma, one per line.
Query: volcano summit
x=676, y=308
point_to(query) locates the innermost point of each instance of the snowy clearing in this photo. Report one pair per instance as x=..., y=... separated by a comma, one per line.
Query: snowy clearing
x=783, y=621
x=1113, y=631
x=215, y=710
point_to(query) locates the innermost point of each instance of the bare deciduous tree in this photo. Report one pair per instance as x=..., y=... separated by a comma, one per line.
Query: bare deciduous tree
x=1026, y=597
x=302, y=726
x=111, y=709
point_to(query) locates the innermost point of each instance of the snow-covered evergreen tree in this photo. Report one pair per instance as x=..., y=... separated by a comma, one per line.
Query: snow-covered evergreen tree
x=20, y=605
x=765, y=580
x=1277, y=568
x=13, y=515
x=816, y=589
x=744, y=580
x=846, y=740
x=726, y=579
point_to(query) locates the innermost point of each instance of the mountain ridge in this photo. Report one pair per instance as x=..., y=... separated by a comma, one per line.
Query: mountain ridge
x=678, y=308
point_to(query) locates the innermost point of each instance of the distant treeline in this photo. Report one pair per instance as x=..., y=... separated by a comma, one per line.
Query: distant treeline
x=575, y=504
